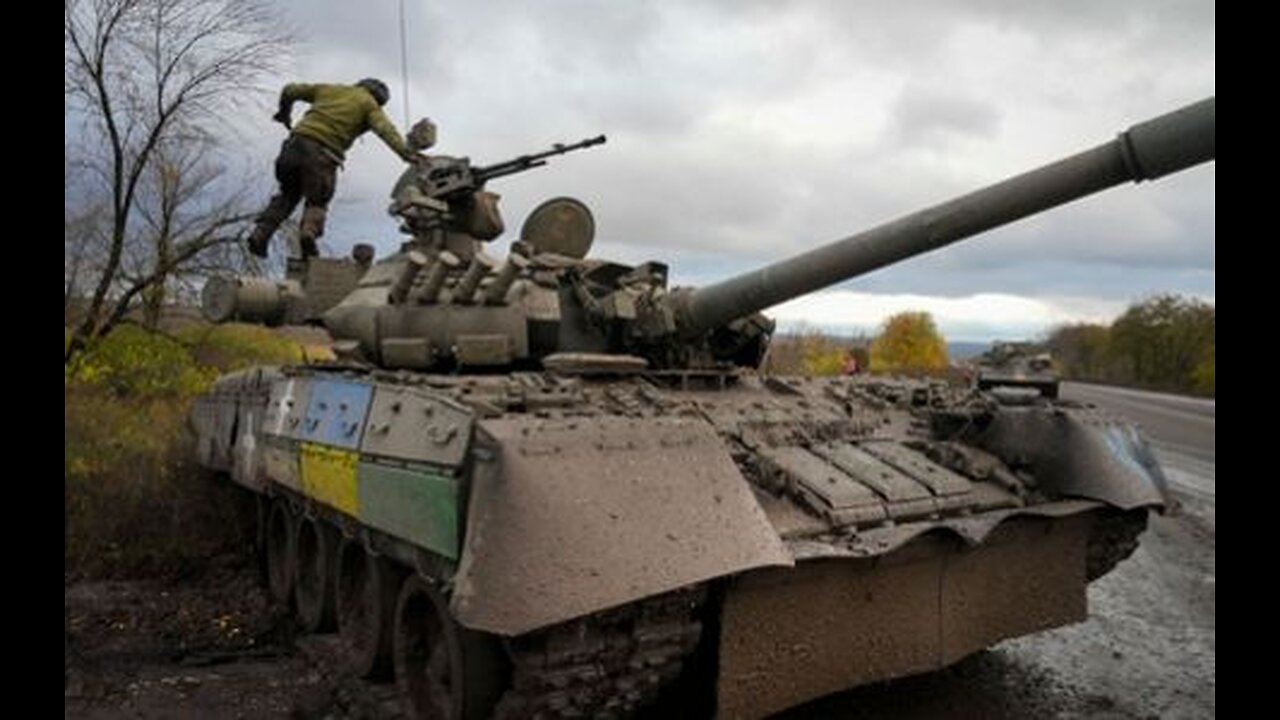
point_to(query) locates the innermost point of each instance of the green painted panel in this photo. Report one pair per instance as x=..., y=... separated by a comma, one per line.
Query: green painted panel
x=420, y=506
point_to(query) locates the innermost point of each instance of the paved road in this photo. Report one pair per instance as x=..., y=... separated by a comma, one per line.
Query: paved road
x=1182, y=431
x=1183, y=425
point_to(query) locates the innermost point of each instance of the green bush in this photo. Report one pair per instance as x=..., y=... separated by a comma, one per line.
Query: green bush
x=133, y=362
x=1204, y=374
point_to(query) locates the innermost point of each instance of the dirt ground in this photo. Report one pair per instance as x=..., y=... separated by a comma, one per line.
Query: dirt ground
x=213, y=647
x=210, y=647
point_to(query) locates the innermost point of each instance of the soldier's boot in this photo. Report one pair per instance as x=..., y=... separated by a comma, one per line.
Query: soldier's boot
x=259, y=239
x=311, y=228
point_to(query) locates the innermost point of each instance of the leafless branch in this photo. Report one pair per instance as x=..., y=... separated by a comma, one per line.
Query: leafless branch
x=147, y=80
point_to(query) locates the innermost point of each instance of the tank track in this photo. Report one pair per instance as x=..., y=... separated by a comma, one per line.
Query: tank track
x=605, y=665
x=1114, y=538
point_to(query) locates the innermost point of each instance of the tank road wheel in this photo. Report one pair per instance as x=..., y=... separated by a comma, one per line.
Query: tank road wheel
x=314, y=580
x=366, y=605
x=443, y=670
x=281, y=542
x=263, y=508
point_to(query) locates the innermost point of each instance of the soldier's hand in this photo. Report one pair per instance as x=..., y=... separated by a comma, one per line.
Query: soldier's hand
x=283, y=118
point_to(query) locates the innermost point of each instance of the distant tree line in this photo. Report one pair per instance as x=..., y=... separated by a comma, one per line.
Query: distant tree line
x=908, y=342
x=1166, y=342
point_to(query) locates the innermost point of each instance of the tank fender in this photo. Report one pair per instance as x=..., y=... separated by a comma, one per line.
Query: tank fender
x=1079, y=452
x=571, y=516
x=226, y=424
x=247, y=468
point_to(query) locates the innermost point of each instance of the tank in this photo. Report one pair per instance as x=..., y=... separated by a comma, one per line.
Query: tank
x=550, y=485
x=1017, y=365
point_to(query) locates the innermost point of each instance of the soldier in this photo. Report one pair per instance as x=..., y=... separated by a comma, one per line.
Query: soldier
x=309, y=159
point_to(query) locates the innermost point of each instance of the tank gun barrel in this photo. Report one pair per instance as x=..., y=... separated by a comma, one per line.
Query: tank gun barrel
x=453, y=178
x=1149, y=150
x=532, y=160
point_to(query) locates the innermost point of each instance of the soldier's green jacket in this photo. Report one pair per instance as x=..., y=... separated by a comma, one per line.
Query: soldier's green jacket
x=341, y=113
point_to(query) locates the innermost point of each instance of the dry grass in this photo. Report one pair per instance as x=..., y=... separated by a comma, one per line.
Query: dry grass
x=134, y=505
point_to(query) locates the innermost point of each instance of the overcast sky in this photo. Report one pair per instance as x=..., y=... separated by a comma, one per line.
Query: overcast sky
x=741, y=132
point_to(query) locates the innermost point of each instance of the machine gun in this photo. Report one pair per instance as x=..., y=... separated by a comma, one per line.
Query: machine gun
x=447, y=178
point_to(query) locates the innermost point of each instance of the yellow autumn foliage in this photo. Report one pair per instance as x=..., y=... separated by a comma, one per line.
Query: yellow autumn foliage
x=812, y=352
x=909, y=342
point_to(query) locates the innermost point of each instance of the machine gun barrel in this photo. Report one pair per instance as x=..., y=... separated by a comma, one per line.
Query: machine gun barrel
x=1149, y=150
x=526, y=162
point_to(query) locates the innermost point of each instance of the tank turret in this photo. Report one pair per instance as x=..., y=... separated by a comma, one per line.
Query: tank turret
x=1017, y=365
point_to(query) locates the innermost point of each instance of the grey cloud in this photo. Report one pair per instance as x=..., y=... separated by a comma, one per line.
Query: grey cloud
x=932, y=118
x=714, y=163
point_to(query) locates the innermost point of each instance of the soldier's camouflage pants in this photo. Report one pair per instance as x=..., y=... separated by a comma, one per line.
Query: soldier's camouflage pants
x=306, y=170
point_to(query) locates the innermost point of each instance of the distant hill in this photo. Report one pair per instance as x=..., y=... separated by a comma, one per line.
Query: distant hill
x=965, y=350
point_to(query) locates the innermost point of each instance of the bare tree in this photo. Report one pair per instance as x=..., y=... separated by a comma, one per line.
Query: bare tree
x=184, y=213
x=81, y=224
x=146, y=83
